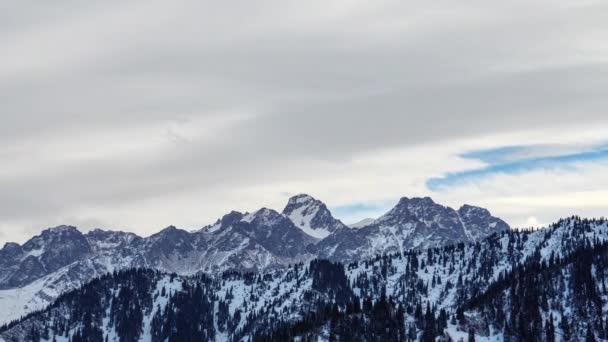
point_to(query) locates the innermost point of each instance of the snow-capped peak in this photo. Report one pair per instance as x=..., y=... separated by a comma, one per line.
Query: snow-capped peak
x=411, y=208
x=226, y=221
x=61, y=229
x=61, y=258
x=311, y=216
x=263, y=216
x=479, y=222
x=416, y=222
x=300, y=199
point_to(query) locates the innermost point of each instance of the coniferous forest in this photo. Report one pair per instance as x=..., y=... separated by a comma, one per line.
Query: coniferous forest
x=544, y=285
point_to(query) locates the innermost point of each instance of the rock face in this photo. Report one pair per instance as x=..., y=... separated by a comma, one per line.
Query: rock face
x=53, y=249
x=478, y=222
x=412, y=223
x=62, y=258
x=311, y=216
x=562, y=266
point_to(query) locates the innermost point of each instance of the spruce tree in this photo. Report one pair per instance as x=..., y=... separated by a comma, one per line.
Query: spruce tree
x=550, y=330
x=590, y=335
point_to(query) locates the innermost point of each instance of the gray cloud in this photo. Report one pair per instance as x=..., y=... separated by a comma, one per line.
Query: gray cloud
x=245, y=94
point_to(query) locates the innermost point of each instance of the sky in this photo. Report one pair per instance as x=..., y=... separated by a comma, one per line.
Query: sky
x=136, y=115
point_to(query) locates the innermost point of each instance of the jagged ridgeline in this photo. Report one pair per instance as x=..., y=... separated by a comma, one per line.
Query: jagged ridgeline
x=63, y=258
x=546, y=285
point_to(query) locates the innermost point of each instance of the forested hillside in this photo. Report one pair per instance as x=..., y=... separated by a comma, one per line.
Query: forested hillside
x=545, y=285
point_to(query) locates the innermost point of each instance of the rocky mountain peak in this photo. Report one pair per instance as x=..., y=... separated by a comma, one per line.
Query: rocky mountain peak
x=9, y=253
x=47, y=252
x=56, y=237
x=61, y=230
x=171, y=233
x=103, y=234
x=231, y=218
x=311, y=216
x=11, y=246
x=416, y=208
x=478, y=222
x=169, y=242
x=301, y=199
x=413, y=223
x=63, y=257
x=109, y=240
x=263, y=216
x=468, y=209
x=426, y=200
x=226, y=221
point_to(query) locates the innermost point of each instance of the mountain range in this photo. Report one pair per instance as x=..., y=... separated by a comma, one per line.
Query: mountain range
x=62, y=258
x=513, y=285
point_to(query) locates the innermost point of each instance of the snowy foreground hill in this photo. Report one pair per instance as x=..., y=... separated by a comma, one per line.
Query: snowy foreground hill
x=60, y=259
x=545, y=285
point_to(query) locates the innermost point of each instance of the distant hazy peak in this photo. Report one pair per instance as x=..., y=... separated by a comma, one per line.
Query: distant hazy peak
x=365, y=222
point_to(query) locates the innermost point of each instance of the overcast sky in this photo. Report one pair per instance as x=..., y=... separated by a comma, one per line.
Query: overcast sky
x=135, y=115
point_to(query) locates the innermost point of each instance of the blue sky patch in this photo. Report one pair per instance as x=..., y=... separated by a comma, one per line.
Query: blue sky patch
x=513, y=160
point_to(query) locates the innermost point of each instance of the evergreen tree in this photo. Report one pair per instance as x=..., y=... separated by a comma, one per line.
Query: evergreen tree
x=550, y=330
x=471, y=335
x=590, y=335
x=565, y=327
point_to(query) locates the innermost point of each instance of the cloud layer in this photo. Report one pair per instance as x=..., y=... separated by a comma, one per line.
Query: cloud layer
x=140, y=114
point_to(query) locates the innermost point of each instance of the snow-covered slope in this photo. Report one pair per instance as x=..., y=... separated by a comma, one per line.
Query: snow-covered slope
x=311, y=216
x=412, y=223
x=267, y=241
x=478, y=222
x=63, y=258
x=48, y=252
x=445, y=278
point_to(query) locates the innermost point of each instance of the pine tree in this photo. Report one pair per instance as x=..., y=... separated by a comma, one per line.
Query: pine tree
x=566, y=334
x=550, y=330
x=460, y=315
x=590, y=336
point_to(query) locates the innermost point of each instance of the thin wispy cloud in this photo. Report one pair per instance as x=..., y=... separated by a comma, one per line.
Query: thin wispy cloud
x=519, y=159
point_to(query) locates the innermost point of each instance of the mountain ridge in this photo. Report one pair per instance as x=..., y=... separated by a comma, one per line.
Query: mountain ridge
x=62, y=258
x=464, y=288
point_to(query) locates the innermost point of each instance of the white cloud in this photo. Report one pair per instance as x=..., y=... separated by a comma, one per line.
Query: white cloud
x=141, y=114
